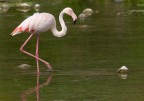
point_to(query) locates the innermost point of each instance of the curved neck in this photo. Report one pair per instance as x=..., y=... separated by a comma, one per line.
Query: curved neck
x=63, y=26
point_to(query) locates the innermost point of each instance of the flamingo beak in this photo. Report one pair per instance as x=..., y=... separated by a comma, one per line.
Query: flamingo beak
x=75, y=21
x=74, y=18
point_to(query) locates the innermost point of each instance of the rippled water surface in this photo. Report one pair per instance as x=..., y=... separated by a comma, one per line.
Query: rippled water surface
x=85, y=61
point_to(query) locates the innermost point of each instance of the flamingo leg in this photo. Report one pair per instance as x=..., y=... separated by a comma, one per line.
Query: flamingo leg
x=36, y=57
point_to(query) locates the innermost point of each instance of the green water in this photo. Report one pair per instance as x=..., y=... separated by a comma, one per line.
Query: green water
x=85, y=61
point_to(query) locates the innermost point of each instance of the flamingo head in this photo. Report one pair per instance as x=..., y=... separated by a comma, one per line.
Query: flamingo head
x=71, y=13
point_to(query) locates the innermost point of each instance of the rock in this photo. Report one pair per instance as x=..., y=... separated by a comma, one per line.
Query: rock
x=82, y=16
x=37, y=7
x=24, y=5
x=87, y=11
x=24, y=66
x=123, y=69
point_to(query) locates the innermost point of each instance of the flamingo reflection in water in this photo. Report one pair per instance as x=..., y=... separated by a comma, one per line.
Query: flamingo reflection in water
x=37, y=88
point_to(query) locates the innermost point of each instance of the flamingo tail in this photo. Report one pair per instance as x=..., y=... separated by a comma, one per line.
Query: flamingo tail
x=17, y=31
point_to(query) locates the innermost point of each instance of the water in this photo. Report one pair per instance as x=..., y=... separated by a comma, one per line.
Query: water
x=85, y=61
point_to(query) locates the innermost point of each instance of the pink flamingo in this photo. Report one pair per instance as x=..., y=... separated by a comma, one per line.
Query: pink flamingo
x=41, y=22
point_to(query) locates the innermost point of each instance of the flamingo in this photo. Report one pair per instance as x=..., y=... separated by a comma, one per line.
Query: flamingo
x=42, y=22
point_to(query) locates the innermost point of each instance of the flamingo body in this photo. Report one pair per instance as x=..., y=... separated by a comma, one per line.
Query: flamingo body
x=37, y=23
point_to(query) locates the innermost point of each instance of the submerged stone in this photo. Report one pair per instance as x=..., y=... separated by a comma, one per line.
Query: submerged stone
x=123, y=75
x=24, y=66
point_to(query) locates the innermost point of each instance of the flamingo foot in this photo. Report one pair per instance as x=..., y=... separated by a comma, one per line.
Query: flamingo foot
x=49, y=67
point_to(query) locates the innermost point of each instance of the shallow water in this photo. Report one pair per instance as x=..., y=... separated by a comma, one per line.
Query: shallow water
x=85, y=61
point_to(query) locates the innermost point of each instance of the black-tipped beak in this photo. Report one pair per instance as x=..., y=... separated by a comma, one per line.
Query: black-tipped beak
x=75, y=21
